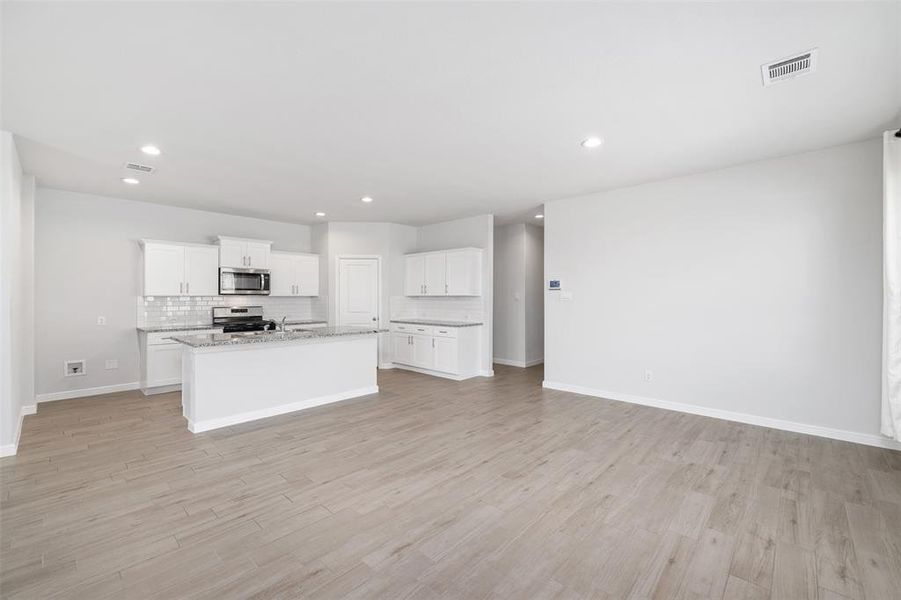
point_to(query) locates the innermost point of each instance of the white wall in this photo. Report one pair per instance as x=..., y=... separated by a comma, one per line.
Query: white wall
x=16, y=295
x=518, y=294
x=389, y=241
x=88, y=264
x=472, y=232
x=509, y=294
x=534, y=294
x=754, y=290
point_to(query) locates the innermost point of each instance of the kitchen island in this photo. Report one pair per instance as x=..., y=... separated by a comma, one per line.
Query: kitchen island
x=230, y=378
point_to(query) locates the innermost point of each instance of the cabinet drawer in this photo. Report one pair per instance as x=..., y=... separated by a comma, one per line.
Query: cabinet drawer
x=412, y=329
x=450, y=332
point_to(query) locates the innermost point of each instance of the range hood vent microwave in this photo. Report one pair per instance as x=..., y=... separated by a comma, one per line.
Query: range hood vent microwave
x=243, y=282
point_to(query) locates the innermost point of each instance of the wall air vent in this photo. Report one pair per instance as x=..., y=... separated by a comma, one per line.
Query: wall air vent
x=139, y=168
x=789, y=68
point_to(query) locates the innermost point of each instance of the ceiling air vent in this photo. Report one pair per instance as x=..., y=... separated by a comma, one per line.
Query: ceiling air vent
x=789, y=68
x=140, y=168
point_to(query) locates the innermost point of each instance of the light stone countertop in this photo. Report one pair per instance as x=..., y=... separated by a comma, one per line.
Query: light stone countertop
x=436, y=322
x=210, y=340
x=165, y=328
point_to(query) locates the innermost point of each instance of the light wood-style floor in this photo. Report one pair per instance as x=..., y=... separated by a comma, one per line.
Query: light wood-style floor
x=438, y=489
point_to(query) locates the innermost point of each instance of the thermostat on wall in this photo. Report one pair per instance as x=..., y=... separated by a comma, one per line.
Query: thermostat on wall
x=553, y=285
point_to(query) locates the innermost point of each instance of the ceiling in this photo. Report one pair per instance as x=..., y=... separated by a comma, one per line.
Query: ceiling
x=436, y=110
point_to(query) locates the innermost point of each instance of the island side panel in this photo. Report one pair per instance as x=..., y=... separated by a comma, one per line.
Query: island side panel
x=230, y=385
x=187, y=383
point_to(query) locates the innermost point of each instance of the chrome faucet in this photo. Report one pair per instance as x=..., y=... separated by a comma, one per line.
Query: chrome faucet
x=282, y=326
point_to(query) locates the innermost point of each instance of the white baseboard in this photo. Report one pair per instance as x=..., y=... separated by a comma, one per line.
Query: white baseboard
x=727, y=415
x=253, y=415
x=386, y=365
x=488, y=373
x=161, y=389
x=83, y=392
x=433, y=373
x=11, y=449
x=522, y=364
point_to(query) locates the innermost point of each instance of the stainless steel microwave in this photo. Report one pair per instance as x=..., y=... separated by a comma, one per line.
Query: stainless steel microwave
x=243, y=282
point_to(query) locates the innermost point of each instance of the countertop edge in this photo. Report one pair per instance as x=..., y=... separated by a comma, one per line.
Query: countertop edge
x=432, y=323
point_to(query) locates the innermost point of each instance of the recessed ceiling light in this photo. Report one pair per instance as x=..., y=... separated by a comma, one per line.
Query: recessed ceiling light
x=130, y=181
x=592, y=142
x=320, y=214
x=150, y=150
x=366, y=199
x=539, y=216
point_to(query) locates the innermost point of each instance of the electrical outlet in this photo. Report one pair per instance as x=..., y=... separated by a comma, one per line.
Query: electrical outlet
x=101, y=320
x=112, y=363
x=648, y=376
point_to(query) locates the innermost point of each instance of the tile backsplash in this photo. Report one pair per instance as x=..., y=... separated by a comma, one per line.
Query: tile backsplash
x=198, y=310
x=453, y=308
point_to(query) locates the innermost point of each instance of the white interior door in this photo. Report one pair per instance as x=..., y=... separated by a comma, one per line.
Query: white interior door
x=358, y=292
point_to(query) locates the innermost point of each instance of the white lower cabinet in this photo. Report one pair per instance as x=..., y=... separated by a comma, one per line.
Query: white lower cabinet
x=452, y=352
x=423, y=351
x=161, y=360
x=402, y=348
x=446, y=358
x=163, y=365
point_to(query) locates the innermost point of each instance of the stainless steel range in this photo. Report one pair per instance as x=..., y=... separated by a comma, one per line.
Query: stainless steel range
x=241, y=318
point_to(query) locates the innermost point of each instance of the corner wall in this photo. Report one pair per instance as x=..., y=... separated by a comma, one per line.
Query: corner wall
x=16, y=295
x=534, y=294
x=518, y=295
x=752, y=293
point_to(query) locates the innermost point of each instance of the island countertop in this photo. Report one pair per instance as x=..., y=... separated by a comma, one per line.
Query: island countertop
x=210, y=340
x=437, y=322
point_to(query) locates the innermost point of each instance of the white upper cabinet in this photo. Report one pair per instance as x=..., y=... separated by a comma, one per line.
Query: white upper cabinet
x=464, y=272
x=172, y=269
x=281, y=272
x=435, y=272
x=445, y=273
x=307, y=276
x=414, y=275
x=242, y=253
x=164, y=269
x=294, y=274
x=201, y=270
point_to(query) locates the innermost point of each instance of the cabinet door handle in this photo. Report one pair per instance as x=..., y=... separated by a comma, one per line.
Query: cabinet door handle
x=445, y=289
x=188, y=287
x=433, y=342
x=181, y=287
x=249, y=261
